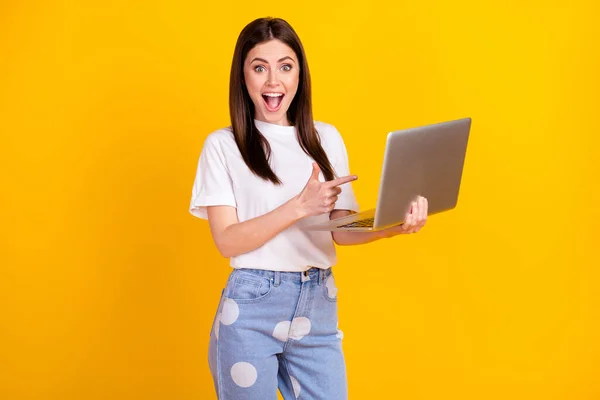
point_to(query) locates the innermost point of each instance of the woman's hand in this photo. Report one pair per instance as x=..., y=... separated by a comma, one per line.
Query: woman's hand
x=415, y=218
x=319, y=197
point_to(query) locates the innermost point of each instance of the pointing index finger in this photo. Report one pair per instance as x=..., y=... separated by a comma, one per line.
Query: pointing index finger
x=342, y=180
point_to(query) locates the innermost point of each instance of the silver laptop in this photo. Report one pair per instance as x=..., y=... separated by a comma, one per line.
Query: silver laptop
x=426, y=161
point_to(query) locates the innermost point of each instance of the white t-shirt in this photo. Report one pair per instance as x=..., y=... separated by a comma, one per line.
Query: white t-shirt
x=223, y=178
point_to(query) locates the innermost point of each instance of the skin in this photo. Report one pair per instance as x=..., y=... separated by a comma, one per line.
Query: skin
x=273, y=67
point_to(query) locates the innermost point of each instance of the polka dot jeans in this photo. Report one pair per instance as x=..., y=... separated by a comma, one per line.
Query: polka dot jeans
x=278, y=330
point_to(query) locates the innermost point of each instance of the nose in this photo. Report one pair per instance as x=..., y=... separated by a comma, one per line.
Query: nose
x=271, y=79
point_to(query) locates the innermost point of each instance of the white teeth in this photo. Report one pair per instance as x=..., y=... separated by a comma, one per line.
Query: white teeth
x=273, y=94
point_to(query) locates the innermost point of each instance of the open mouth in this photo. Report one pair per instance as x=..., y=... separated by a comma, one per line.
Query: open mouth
x=272, y=101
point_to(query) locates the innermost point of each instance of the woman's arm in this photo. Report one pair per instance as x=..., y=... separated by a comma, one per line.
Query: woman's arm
x=348, y=238
x=414, y=221
x=234, y=238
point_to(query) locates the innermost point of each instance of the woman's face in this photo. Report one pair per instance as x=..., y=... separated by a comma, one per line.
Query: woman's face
x=271, y=73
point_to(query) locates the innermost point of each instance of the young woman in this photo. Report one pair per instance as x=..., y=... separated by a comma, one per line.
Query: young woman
x=258, y=182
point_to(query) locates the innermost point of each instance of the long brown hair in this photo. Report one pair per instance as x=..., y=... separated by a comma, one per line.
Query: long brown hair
x=253, y=146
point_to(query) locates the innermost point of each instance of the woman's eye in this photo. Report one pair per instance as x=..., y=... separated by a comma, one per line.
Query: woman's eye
x=259, y=68
x=286, y=67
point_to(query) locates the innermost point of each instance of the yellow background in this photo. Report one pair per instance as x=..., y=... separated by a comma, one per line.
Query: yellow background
x=108, y=286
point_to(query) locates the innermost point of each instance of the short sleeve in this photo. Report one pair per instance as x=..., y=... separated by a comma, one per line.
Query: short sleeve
x=212, y=185
x=346, y=199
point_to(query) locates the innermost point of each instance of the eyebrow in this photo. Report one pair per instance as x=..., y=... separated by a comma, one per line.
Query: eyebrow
x=265, y=61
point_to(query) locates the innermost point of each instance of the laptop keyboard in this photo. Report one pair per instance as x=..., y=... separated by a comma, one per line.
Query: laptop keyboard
x=361, y=223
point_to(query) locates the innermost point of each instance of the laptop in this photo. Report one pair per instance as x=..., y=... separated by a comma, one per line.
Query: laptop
x=425, y=161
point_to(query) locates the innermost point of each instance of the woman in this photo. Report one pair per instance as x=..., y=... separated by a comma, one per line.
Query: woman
x=257, y=183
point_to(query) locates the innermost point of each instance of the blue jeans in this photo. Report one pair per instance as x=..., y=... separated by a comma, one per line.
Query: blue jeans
x=278, y=330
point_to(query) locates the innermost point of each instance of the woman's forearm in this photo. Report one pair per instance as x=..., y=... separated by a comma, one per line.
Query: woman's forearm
x=347, y=238
x=249, y=235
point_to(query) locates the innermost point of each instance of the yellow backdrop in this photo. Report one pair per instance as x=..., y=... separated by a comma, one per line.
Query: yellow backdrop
x=108, y=286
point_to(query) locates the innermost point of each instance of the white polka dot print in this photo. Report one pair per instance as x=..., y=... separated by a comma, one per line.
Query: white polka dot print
x=217, y=325
x=282, y=330
x=331, y=288
x=300, y=327
x=295, y=386
x=243, y=374
x=230, y=312
x=339, y=334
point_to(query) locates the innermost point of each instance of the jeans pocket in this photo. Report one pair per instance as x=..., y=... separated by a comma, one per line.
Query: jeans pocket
x=245, y=287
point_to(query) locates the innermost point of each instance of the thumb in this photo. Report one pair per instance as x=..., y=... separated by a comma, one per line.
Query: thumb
x=315, y=171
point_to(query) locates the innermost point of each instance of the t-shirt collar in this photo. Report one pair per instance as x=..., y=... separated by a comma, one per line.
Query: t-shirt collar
x=268, y=128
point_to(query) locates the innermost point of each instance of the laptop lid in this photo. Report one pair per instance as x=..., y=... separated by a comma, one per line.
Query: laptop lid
x=426, y=161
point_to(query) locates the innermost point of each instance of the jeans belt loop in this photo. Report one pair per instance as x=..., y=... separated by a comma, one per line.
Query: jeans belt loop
x=277, y=278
